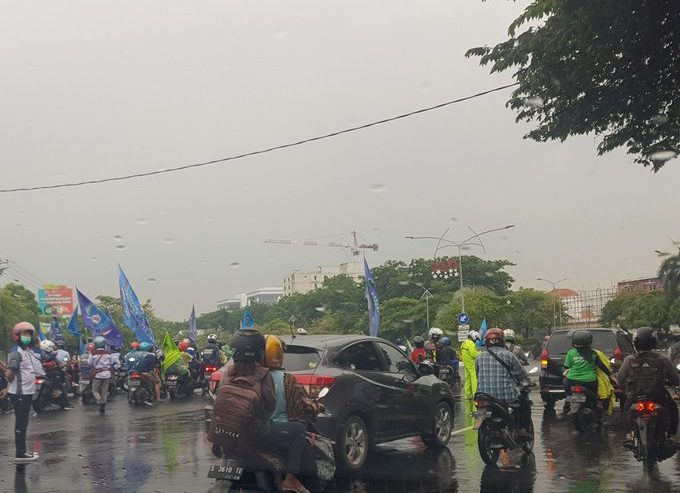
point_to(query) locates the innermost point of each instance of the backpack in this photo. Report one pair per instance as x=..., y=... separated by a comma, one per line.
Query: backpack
x=236, y=415
x=645, y=376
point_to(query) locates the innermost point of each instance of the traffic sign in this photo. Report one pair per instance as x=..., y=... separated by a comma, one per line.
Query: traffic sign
x=463, y=332
x=463, y=318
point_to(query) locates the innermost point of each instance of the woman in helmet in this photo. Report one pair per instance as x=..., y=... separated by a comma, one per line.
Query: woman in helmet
x=418, y=355
x=512, y=346
x=101, y=365
x=582, y=362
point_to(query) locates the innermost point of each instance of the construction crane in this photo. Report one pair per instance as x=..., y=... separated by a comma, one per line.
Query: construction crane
x=355, y=247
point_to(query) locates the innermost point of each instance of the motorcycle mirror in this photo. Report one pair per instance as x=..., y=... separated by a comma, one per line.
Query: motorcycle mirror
x=613, y=360
x=526, y=354
x=323, y=393
x=533, y=370
x=678, y=367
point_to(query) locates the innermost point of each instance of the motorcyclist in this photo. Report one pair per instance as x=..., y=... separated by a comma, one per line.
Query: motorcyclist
x=147, y=366
x=448, y=356
x=432, y=345
x=501, y=375
x=469, y=352
x=401, y=345
x=418, y=355
x=674, y=349
x=646, y=373
x=63, y=356
x=115, y=358
x=130, y=358
x=512, y=346
x=101, y=365
x=582, y=362
x=55, y=374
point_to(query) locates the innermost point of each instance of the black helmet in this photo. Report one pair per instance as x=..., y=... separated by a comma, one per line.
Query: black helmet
x=248, y=345
x=645, y=339
x=582, y=339
x=418, y=342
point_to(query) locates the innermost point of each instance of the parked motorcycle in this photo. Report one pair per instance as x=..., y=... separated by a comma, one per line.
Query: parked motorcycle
x=498, y=425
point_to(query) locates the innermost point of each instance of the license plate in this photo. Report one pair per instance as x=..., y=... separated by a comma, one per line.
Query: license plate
x=578, y=398
x=134, y=383
x=231, y=471
x=171, y=383
x=84, y=382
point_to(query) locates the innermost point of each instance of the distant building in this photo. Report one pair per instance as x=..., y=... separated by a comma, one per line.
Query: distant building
x=266, y=296
x=304, y=282
x=584, y=307
x=637, y=285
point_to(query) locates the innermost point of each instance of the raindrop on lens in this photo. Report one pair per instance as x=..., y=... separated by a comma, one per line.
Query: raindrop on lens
x=93, y=259
x=118, y=238
x=535, y=102
x=663, y=156
x=234, y=265
x=320, y=309
x=141, y=220
x=377, y=188
x=121, y=247
x=169, y=241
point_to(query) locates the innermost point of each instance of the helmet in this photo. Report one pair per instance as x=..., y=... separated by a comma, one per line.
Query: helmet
x=145, y=346
x=446, y=341
x=273, y=352
x=191, y=351
x=59, y=343
x=99, y=342
x=435, y=333
x=22, y=327
x=48, y=346
x=248, y=345
x=134, y=345
x=212, y=338
x=183, y=346
x=302, y=332
x=474, y=335
x=418, y=342
x=494, y=337
x=399, y=342
x=509, y=335
x=645, y=339
x=90, y=348
x=581, y=338
x=186, y=339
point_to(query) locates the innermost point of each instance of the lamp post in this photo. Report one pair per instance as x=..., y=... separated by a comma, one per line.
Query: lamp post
x=554, y=286
x=466, y=242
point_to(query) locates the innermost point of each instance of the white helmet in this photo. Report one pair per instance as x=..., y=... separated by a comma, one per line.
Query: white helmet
x=509, y=335
x=435, y=333
x=212, y=338
x=474, y=335
x=302, y=332
x=48, y=346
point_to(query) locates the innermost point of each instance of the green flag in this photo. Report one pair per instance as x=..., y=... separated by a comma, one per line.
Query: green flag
x=172, y=354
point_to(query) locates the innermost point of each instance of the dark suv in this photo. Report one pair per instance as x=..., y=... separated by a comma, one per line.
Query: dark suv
x=615, y=343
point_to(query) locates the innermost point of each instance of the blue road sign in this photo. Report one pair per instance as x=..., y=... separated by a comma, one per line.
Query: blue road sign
x=463, y=318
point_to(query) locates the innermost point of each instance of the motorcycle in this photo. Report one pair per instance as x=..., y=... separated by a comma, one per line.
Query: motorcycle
x=449, y=374
x=48, y=391
x=207, y=369
x=649, y=433
x=179, y=385
x=139, y=390
x=498, y=425
x=264, y=471
x=585, y=410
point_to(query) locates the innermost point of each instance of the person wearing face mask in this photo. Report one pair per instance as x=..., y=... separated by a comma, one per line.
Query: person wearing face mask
x=23, y=365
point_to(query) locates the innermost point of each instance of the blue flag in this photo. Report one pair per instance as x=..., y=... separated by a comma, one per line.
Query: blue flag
x=248, y=321
x=373, y=303
x=55, y=329
x=41, y=336
x=72, y=326
x=99, y=322
x=482, y=332
x=192, y=326
x=133, y=313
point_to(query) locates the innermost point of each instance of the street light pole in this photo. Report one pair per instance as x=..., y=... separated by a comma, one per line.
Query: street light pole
x=554, y=286
x=426, y=296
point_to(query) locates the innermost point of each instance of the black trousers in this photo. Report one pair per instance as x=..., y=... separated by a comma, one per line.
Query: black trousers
x=22, y=410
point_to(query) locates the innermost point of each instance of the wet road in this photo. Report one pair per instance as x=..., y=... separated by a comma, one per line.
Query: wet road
x=163, y=449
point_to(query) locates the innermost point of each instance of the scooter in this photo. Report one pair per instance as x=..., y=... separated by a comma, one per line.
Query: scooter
x=585, y=410
x=139, y=390
x=48, y=391
x=179, y=385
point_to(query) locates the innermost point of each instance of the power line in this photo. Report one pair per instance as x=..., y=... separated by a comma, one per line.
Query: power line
x=261, y=151
x=27, y=272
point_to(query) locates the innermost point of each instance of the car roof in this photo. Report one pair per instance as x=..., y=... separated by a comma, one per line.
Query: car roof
x=324, y=340
x=610, y=329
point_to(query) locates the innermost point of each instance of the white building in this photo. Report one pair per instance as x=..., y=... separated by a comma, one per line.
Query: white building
x=267, y=296
x=304, y=282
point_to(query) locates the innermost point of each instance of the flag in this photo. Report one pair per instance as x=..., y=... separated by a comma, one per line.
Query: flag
x=482, y=332
x=99, y=323
x=72, y=326
x=192, y=326
x=171, y=353
x=133, y=313
x=55, y=330
x=41, y=336
x=373, y=303
x=248, y=321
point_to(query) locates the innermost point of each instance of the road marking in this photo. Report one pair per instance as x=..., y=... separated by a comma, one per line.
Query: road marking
x=462, y=430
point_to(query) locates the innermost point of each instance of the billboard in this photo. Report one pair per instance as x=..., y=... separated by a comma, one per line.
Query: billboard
x=56, y=300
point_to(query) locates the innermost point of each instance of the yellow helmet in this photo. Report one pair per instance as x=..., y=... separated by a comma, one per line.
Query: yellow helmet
x=273, y=352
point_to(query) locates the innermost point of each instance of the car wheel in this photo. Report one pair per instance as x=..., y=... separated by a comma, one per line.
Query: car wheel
x=353, y=444
x=442, y=424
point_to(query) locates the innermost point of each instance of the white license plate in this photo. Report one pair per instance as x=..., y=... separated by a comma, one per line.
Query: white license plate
x=134, y=383
x=171, y=383
x=231, y=471
x=84, y=382
x=578, y=398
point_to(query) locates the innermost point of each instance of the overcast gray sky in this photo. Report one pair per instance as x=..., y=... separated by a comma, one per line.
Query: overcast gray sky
x=93, y=89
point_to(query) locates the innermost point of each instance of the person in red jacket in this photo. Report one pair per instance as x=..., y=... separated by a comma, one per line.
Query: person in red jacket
x=418, y=355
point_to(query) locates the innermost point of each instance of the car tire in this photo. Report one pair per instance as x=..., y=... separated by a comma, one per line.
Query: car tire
x=442, y=425
x=353, y=444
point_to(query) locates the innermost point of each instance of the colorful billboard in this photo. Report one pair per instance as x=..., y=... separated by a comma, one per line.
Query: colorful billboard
x=56, y=300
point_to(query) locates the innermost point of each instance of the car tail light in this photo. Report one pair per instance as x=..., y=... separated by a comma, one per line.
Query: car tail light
x=618, y=355
x=645, y=406
x=134, y=375
x=577, y=389
x=544, y=358
x=314, y=383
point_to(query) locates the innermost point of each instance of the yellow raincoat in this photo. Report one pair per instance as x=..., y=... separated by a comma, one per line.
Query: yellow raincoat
x=605, y=389
x=469, y=351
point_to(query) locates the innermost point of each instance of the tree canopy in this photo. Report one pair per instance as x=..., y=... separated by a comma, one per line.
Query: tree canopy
x=609, y=67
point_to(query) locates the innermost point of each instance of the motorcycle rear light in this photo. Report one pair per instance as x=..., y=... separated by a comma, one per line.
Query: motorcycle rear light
x=577, y=389
x=544, y=359
x=38, y=380
x=314, y=383
x=210, y=369
x=646, y=406
x=481, y=403
x=618, y=355
x=134, y=374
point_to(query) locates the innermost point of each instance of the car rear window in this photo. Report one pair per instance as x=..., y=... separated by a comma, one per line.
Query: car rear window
x=297, y=358
x=560, y=342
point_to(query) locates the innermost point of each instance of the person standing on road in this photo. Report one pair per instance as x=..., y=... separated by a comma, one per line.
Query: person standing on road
x=100, y=371
x=468, y=353
x=23, y=365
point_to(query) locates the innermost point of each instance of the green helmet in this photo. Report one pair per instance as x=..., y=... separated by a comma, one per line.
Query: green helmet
x=99, y=342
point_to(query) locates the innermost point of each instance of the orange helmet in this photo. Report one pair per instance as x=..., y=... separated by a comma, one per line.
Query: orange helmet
x=22, y=327
x=273, y=352
x=134, y=345
x=494, y=337
x=183, y=346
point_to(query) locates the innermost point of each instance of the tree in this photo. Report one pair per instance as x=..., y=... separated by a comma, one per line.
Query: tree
x=632, y=310
x=669, y=272
x=608, y=67
x=402, y=318
x=480, y=304
x=530, y=312
x=17, y=304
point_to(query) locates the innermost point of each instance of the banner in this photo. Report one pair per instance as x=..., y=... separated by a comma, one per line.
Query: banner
x=55, y=330
x=54, y=299
x=72, y=326
x=373, y=303
x=133, y=313
x=99, y=323
x=192, y=326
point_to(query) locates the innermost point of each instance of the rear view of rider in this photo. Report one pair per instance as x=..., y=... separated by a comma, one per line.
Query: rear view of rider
x=512, y=346
x=447, y=356
x=500, y=375
x=432, y=345
x=581, y=364
x=213, y=354
x=100, y=372
x=147, y=366
x=418, y=355
x=646, y=374
x=55, y=373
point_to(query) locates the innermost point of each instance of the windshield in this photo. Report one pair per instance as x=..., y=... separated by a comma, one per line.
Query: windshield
x=560, y=343
x=298, y=358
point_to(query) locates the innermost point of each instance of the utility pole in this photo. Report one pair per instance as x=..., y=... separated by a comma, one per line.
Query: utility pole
x=554, y=286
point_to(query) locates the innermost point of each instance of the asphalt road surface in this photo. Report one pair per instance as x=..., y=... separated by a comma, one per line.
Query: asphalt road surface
x=143, y=449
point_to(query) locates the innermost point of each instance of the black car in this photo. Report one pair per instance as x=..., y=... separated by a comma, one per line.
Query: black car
x=375, y=395
x=615, y=343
